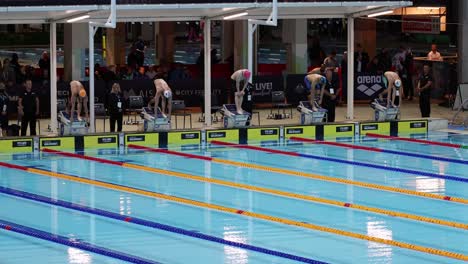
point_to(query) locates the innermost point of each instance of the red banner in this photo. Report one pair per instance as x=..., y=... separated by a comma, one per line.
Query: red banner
x=418, y=24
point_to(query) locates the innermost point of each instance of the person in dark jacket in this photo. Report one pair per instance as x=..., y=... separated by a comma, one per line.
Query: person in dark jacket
x=28, y=107
x=330, y=95
x=3, y=110
x=115, y=108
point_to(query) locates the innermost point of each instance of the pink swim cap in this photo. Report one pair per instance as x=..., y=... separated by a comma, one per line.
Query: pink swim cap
x=247, y=74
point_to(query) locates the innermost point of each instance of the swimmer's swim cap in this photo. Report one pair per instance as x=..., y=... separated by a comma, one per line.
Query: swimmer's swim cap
x=398, y=83
x=247, y=74
x=82, y=93
x=167, y=94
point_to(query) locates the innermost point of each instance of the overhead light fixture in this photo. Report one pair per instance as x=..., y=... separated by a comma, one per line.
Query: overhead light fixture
x=235, y=15
x=77, y=18
x=381, y=13
x=229, y=8
x=71, y=11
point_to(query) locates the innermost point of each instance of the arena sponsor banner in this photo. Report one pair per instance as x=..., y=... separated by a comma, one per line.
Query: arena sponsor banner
x=263, y=134
x=146, y=139
x=226, y=135
x=338, y=131
x=381, y=128
x=300, y=131
x=108, y=141
x=368, y=86
x=412, y=127
x=20, y=145
x=184, y=138
x=263, y=85
x=58, y=143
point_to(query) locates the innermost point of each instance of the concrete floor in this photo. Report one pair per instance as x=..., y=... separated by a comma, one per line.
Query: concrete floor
x=409, y=110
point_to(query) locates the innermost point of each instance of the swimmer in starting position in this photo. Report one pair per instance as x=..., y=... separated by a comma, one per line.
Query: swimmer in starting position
x=315, y=84
x=78, y=94
x=241, y=78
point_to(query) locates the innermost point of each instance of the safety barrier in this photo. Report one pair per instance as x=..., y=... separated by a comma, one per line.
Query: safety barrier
x=311, y=176
x=151, y=224
x=372, y=149
x=225, y=209
x=355, y=163
x=72, y=242
x=420, y=141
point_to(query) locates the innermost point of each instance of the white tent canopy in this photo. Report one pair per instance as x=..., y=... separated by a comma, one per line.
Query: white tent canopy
x=56, y=11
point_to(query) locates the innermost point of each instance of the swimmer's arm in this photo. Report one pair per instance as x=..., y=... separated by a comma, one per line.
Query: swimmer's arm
x=156, y=101
x=150, y=101
x=245, y=85
x=85, y=106
x=322, y=90
x=169, y=107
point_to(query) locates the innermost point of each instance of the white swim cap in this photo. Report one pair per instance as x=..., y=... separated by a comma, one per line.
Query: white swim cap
x=167, y=94
x=398, y=83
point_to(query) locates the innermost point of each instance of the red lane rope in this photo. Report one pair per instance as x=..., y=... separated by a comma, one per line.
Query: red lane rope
x=74, y=155
x=335, y=144
x=289, y=153
x=414, y=140
x=165, y=151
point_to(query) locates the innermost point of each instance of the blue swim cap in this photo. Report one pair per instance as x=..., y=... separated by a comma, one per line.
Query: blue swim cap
x=308, y=84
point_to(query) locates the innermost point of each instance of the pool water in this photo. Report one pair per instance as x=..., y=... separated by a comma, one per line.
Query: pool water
x=201, y=233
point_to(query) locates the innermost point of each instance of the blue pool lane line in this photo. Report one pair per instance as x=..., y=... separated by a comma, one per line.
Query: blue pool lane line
x=142, y=222
x=355, y=163
x=75, y=243
x=373, y=149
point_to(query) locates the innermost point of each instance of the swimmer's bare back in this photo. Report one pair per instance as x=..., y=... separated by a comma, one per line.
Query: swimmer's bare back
x=75, y=87
x=161, y=85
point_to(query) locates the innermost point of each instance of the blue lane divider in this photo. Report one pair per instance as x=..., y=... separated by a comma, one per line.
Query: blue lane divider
x=32, y=232
x=380, y=167
x=422, y=156
x=142, y=222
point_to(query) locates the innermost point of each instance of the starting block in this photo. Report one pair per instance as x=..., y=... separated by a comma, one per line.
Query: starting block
x=70, y=126
x=383, y=113
x=311, y=114
x=154, y=122
x=233, y=119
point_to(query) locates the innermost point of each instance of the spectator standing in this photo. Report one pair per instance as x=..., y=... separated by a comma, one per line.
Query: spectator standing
x=115, y=108
x=374, y=66
x=28, y=108
x=361, y=59
x=140, y=51
x=4, y=101
x=399, y=59
x=132, y=58
x=434, y=54
x=384, y=60
x=424, y=90
x=8, y=76
x=14, y=64
x=407, y=75
x=44, y=65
